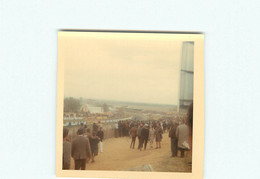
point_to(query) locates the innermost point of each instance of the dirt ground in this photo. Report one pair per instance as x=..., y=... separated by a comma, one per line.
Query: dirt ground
x=118, y=156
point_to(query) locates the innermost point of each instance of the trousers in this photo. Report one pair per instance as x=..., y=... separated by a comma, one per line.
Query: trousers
x=80, y=164
x=101, y=146
x=174, y=149
x=143, y=143
x=133, y=142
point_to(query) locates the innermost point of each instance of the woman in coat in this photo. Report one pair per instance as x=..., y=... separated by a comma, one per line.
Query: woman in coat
x=158, y=135
x=94, y=140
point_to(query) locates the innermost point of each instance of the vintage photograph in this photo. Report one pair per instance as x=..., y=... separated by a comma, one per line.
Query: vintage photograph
x=126, y=101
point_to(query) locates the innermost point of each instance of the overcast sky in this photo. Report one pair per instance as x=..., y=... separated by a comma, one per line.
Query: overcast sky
x=138, y=68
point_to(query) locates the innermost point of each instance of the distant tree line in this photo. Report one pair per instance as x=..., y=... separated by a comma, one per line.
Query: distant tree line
x=71, y=104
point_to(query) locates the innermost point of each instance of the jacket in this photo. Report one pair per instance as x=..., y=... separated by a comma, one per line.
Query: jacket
x=80, y=148
x=182, y=135
x=133, y=132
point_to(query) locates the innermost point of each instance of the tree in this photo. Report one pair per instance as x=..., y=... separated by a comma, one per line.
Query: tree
x=71, y=104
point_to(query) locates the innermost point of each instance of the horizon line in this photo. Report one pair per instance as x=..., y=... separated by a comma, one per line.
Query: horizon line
x=121, y=101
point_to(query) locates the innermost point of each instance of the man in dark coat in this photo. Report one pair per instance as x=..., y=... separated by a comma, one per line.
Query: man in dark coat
x=174, y=139
x=100, y=134
x=144, y=136
x=80, y=150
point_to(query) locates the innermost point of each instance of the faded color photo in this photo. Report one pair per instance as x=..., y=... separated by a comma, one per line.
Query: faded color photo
x=128, y=101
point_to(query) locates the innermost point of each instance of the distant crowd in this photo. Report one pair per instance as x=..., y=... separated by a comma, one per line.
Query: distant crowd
x=85, y=146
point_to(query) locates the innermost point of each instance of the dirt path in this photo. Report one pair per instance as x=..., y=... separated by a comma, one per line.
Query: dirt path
x=117, y=156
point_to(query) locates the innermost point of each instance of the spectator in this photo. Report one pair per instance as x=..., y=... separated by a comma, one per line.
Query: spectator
x=100, y=134
x=80, y=150
x=164, y=126
x=182, y=136
x=151, y=136
x=66, y=150
x=190, y=126
x=88, y=133
x=144, y=136
x=133, y=134
x=116, y=130
x=158, y=135
x=174, y=140
x=120, y=128
x=94, y=140
x=139, y=134
x=95, y=127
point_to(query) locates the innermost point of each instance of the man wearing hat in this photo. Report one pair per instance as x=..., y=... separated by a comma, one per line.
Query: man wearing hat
x=80, y=150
